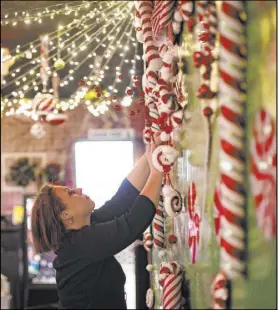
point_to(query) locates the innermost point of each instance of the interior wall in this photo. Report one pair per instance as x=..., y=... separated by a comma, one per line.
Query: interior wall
x=57, y=142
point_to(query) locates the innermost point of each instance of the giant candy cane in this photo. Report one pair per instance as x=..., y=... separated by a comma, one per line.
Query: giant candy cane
x=232, y=97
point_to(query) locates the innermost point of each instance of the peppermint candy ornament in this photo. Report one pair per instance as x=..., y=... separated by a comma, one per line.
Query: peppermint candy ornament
x=150, y=298
x=172, y=200
x=263, y=175
x=163, y=157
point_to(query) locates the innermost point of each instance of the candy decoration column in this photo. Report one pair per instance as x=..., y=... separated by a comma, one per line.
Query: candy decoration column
x=232, y=98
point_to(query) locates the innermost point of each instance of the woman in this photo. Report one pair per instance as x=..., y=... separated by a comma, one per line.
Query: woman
x=87, y=274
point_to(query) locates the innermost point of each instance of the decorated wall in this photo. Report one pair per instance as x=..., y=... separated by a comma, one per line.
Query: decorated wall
x=209, y=83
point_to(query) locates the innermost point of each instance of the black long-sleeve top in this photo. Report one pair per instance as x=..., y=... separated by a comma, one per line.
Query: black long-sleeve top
x=87, y=274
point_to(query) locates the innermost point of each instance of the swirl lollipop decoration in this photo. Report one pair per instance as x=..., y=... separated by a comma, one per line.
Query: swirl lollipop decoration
x=172, y=200
x=193, y=223
x=263, y=175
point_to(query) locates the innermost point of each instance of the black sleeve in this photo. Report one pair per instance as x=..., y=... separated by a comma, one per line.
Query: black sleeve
x=120, y=203
x=103, y=240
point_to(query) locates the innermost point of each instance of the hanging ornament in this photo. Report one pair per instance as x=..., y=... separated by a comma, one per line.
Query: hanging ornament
x=163, y=157
x=43, y=103
x=37, y=130
x=172, y=200
x=221, y=292
x=59, y=64
x=263, y=176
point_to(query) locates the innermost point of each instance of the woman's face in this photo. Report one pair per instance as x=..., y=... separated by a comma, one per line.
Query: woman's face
x=78, y=205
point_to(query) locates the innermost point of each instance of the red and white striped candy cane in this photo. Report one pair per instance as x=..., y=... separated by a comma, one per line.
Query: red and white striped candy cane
x=213, y=23
x=161, y=16
x=44, y=68
x=201, y=7
x=158, y=226
x=263, y=176
x=151, y=51
x=220, y=292
x=170, y=278
x=193, y=222
x=232, y=98
x=186, y=9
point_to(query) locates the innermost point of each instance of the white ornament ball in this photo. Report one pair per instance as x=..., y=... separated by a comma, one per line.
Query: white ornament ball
x=164, y=136
x=149, y=267
x=37, y=131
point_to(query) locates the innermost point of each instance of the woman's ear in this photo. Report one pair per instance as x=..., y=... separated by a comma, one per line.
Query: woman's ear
x=65, y=215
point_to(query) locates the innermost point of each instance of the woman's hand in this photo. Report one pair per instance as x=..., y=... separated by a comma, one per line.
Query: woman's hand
x=149, y=151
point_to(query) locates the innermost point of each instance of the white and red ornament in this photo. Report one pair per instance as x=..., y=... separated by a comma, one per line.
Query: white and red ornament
x=172, y=201
x=43, y=103
x=148, y=241
x=263, y=154
x=220, y=292
x=193, y=222
x=164, y=157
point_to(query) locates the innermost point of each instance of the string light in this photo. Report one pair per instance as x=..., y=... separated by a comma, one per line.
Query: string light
x=79, y=94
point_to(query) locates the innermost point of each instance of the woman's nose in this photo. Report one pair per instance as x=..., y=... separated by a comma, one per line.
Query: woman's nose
x=79, y=191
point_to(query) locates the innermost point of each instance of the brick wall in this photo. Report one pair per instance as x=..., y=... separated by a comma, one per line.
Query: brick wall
x=57, y=142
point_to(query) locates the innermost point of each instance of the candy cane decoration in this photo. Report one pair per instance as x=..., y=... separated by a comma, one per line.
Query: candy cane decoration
x=44, y=62
x=220, y=292
x=186, y=10
x=151, y=51
x=170, y=278
x=213, y=23
x=263, y=175
x=193, y=223
x=233, y=146
x=158, y=226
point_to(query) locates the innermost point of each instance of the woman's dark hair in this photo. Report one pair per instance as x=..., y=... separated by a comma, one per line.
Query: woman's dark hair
x=47, y=227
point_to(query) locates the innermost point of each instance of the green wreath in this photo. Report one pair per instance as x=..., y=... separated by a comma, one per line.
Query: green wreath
x=22, y=172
